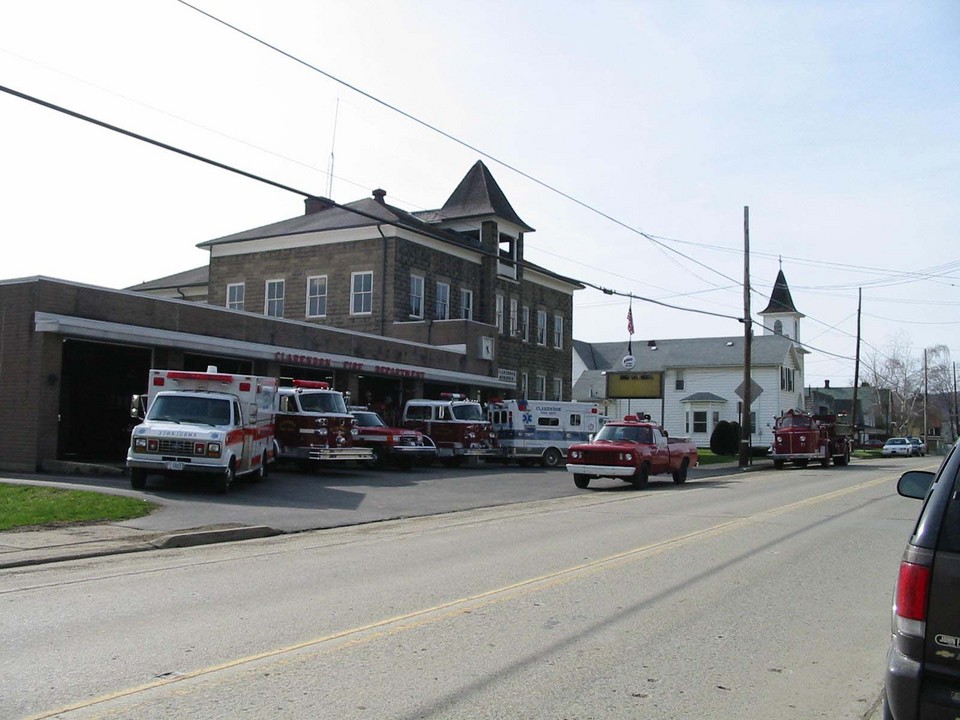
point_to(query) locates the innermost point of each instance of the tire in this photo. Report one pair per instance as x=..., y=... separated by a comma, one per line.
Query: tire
x=581, y=481
x=641, y=476
x=551, y=458
x=825, y=462
x=138, y=478
x=802, y=463
x=680, y=475
x=378, y=460
x=224, y=481
x=842, y=459
x=261, y=472
x=778, y=464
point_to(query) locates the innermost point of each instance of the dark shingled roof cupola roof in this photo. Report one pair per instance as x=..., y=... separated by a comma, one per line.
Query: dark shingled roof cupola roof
x=478, y=195
x=780, y=300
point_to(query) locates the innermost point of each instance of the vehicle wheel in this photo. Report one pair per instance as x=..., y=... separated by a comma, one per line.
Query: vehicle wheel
x=261, y=473
x=377, y=461
x=778, y=464
x=451, y=462
x=641, y=476
x=225, y=480
x=842, y=459
x=581, y=481
x=525, y=462
x=551, y=458
x=138, y=478
x=404, y=463
x=802, y=463
x=680, y=476
x=825, y=462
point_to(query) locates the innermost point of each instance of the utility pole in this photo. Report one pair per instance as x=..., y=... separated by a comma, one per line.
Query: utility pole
x=924, y=395
x=956, y=410
x=856, y=372
x=745, y=430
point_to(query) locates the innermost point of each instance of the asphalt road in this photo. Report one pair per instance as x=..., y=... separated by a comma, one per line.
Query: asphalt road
x=291, y=500
x=762, y=594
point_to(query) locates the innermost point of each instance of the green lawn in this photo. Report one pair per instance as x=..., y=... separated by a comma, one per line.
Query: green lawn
x=25, y=506
x=707, y=457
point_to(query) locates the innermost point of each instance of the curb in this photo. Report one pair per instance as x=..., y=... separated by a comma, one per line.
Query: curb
x=209, y=537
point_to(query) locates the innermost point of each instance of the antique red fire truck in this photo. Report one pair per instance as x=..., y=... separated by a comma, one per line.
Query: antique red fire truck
x=312, y=424
x=456, y=425
x=800, y=437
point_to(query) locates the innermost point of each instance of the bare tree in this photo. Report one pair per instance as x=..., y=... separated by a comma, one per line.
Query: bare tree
x=898, y=369
x=941, y=399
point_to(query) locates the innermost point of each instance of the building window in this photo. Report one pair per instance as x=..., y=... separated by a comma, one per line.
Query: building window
x=524, y=385
x=678, y=383
x=700, y=422
x=787, y=376
x=443, y=301
x=273, y=304
x=416, y=296
x=466, y=304
x=499, y=318
x=514, y=328
x=361, y=294
x=541, y=327
x=317, y=296
x=716, y=419
x=235, y=296
x=558, y=388
x=778, y=327
x=525, y=322
x=541, y=387
x=558, y=332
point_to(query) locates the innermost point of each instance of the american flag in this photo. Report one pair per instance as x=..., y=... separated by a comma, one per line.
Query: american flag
x=630, y=319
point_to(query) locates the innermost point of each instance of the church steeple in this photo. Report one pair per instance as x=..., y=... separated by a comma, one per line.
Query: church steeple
x=781, y=316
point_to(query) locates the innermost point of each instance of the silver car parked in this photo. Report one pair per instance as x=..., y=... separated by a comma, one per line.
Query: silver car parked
x=897, y=446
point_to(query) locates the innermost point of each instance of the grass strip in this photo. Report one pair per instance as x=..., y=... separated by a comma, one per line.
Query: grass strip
x=31, y=506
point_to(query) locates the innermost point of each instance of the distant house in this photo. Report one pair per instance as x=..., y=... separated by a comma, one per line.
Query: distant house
x=873, y=407
x=692, y=384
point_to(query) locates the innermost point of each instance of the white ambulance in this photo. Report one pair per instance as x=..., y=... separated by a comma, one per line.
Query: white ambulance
x=541, y=430
x=218, y=424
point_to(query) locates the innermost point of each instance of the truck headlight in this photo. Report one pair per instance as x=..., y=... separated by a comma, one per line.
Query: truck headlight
x=214, y=449
x=628, y=457
x=574, y=454
x=139, y=444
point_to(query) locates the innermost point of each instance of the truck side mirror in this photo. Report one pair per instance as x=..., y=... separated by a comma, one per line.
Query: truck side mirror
x=251, y=413
x=138, y=406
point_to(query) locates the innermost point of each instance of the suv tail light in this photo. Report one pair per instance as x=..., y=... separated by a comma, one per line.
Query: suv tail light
x=913, y=585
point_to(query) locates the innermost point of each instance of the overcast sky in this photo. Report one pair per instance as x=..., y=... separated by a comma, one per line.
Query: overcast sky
x=835, y=122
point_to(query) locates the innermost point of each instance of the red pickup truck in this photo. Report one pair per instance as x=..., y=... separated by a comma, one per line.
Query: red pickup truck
x=631, y=450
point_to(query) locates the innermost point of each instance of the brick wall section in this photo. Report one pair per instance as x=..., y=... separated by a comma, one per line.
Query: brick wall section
x=21, y=370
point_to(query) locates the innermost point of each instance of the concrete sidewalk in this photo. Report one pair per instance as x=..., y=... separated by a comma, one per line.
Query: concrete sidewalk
x=49, y=545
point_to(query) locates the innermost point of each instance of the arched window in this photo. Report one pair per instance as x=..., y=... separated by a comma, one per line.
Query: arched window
x=778, y=327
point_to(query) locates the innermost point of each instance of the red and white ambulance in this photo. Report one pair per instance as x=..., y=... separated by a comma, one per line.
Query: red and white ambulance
x=212, y=423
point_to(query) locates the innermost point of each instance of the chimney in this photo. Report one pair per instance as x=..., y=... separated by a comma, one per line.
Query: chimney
x=379, y=195
x=826, y=383
x=316, y=204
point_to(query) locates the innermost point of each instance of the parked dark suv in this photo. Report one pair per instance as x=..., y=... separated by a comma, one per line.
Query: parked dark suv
x=923, y=664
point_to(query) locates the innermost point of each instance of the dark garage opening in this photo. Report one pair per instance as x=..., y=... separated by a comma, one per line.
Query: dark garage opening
x=95, y=388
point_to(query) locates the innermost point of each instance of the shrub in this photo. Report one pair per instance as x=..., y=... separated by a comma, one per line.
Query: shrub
x=725, y=438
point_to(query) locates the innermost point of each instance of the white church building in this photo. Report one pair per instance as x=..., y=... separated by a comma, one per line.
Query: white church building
x=689, y=385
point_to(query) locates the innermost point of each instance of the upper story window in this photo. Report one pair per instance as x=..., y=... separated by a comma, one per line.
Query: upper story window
x=443, y=301
x=524, y=385
x=317, y=296
x=499, y=318
x=514, y=328
x=678, y=382
x=525, y=324
x=541, y=328
x=361, y=293
x=558, y=390
x=541, y=387
x=778, y=327
x=416, y=296
x=235, y=292
x=466, y=304
x=558, y=332
x=273, y=301
x=507, y=260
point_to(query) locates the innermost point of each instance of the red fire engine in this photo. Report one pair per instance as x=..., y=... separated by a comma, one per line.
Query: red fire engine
x=313, y=424
x=456, y=425
x=800, y=437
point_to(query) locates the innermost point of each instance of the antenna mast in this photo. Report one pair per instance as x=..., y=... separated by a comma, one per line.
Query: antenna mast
x=336, y=114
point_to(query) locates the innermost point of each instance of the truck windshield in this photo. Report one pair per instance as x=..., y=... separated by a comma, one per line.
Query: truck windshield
x=368, y=419
x=468, y=411
x=323, y=402
x=190, y=409
x=795, y=421
x=628, y=433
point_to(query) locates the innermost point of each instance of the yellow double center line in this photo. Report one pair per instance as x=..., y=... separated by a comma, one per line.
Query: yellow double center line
x=464, y=604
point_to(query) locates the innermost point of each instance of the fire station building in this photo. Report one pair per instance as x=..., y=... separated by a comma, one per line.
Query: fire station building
x=383, y=304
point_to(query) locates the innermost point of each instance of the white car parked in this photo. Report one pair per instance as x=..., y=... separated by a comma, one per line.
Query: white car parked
x=897, y=446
